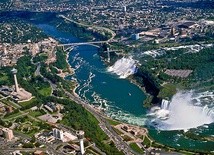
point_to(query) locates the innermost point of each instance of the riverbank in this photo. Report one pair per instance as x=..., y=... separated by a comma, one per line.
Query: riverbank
x=88, y=61
x=140, y=79
x=86, y=86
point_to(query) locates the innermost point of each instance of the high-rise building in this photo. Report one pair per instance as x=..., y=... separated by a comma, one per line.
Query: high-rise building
x=8, y=133
x=58, y=134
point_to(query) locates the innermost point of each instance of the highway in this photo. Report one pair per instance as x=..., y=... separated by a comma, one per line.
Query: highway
x=82, y=43
x=113, y=34
x=105, y=126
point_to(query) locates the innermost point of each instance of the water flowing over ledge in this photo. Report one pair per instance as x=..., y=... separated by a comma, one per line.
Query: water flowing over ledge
x=124, y=67
x=182, y=113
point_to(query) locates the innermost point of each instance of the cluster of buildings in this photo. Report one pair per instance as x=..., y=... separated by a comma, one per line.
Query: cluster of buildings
x=43, y=6
x=175, y=31
x=10, y=53
x=133, y=130
x=56, y=135
x=64, y=137
x=52, y=110
x=131, y=17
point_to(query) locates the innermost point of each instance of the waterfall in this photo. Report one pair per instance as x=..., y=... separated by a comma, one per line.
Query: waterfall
x=181, y=113
x=124, y=67
x=208, y=111
x=165, y=104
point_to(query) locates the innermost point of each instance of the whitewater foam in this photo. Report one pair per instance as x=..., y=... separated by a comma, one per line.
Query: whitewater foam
x=124, y=67
x=85, y=88
x=126, y=117
x=182, y=114
x=100, y=101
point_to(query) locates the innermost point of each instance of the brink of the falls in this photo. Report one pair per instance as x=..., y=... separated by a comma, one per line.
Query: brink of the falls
x=124, y=67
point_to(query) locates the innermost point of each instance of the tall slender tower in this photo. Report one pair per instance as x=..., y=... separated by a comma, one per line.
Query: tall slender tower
x=109, y=58
x=124, y=8
x=80, y=135
x=5, y=50
x=172, y=31
x=14, y=71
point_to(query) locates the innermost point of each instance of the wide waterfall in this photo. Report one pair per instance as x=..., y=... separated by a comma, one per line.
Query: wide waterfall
x=181, y=113
x=124, y=67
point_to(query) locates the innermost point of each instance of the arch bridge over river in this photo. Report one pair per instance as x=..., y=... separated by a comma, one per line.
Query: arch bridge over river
x=69, y=46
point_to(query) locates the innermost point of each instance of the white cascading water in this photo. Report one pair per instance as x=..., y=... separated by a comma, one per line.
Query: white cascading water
x=181, y=114
x=124, y=67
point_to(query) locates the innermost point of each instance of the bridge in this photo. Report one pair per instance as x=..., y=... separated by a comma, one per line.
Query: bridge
x=113, y=34
x=93, y=43
x=71, y=45
x=83, y=43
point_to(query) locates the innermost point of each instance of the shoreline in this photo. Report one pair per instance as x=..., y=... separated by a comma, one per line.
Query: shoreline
x=132, y=80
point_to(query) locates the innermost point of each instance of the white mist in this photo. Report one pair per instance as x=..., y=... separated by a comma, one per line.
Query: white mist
x=181, y=114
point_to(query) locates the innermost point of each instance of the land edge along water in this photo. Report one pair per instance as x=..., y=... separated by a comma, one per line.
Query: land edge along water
x=153, y=142
x=146, y=88
x=140, y=79
x=139, y=83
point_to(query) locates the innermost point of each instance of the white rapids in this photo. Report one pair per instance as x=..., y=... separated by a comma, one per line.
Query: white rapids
x=124, y=67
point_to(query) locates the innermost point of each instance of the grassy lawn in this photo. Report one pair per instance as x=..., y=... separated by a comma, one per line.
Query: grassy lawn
x=4, y=78
x=24, y=104
x=29, y=126
x=136, y=148
x=45, y=91
x=8, y=102
x=146, y=141
x=167, y=91
x=36, y=113
x=12, y=115
x=113, y=122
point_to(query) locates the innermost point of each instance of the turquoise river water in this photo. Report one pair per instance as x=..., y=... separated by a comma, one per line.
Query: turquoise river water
x=119, y=98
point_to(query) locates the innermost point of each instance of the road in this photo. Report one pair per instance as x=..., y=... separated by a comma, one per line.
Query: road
x=82, y=43
x=105, y=126
x=38, y=73
x=113, y=34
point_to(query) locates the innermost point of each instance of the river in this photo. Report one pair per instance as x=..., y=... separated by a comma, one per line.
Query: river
x=119, y=98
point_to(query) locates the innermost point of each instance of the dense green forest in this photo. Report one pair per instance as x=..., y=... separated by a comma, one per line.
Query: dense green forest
x=75, y=115
x=61, y=60
x=201, y=63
